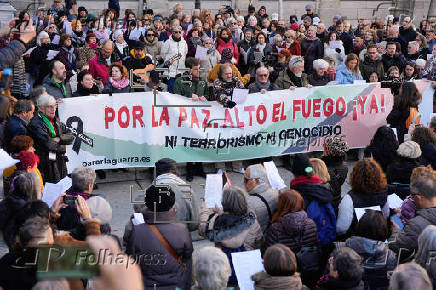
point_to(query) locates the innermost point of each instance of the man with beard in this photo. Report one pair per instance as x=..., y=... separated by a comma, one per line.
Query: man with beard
x=225, y=84
x=173, y=47
x=137, y=60
x=345, y=37
x=244, y=45
x=390, y=58
x=99, y=64
x=293, y=77
x=413, y=51
x=371, y=64
x=55, y=84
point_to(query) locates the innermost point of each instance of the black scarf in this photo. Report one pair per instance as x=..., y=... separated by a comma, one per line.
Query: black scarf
x=176, y=39
x=294, y=79
x=78, y=33
x=225, y=39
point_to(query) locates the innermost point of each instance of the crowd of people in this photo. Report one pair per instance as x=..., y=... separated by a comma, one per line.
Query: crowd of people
x=310, y=233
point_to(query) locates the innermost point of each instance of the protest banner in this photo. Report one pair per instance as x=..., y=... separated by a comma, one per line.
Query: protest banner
x=137, y=129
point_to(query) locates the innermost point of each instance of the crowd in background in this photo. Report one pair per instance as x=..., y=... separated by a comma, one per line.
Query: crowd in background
x=310, y=233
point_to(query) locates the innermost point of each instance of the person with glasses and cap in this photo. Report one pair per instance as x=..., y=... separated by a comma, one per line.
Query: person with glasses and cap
x=309, y=12
x=293, y=77
x=175, y=50
x=262, y=83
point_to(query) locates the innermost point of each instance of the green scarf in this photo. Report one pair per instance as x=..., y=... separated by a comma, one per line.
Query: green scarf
x=49, y=125
x=61, y=86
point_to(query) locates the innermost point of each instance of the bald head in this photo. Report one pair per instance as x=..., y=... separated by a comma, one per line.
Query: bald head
x=107, y=48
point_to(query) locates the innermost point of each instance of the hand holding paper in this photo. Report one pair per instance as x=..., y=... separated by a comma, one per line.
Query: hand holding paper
x=239, y=95
x=213, y=190
x=247, y=264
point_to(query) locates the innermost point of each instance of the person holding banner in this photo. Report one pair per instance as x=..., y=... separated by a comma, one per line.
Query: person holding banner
x=118, y=81
x=293, y=77
x=262, y=83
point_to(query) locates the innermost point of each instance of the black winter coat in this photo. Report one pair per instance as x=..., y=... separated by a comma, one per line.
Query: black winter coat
x=10, y=54
x=398, y=60
x=312, y=191
x=316, y=80
x=311, y=50
x=8, y=209
x=405, y=37
x=401, y=171
x=158, y=267
x=397, y=119
x=338, y=172
x=429, y=155
x=51, y=170
x=294, y=230
x=15, y=126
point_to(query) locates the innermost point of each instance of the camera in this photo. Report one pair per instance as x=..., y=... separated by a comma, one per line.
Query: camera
x=70, y=200
x=393, y=84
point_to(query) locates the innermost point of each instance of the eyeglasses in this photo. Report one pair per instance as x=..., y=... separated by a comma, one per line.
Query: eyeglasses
x=262, y=75
x=177, y=32
x=246, y=180
x=234, y=23
x=150, y=34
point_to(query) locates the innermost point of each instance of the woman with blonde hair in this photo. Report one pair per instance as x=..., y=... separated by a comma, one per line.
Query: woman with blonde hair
x=320, y=169
x=349, y=72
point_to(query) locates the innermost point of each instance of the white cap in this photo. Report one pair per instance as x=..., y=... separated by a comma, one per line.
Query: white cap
x=274, y=16
x=316, y=20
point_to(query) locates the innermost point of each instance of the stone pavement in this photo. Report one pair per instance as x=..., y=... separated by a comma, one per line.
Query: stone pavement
x=116, y=188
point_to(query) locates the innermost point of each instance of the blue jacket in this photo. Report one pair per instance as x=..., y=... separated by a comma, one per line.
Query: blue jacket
x=344, y=76
x=15, y=126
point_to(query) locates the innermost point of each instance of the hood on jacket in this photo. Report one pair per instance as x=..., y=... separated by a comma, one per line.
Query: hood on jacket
x=293, y=222
x=148, y=43
x=263, y=280
x=428, y=214
x=375, y=254
x=401, y=171
x=230, y=230
x=132, y=53
x=312, y=191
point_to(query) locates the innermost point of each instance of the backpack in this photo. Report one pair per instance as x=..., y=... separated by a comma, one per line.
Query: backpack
x=325, y=219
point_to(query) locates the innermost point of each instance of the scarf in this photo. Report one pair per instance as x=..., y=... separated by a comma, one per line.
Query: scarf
x=93, y=45
x=82, y=91
x=132, y=53
x=121, y=46
x=50, y=126
x=225, y=39
x=60, y=86
x=304, y=179
x=294, y=79
x=261, y=47
x=176, y=39
x=70, y=54
x=120, y=84
x=311, y=38
x=78, y=33
x=196, y=41
x=264, y=86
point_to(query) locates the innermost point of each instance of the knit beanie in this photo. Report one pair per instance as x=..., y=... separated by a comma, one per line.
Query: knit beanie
x=100, y=209
x=334, y=146
x=409, y=149
x=301, y=166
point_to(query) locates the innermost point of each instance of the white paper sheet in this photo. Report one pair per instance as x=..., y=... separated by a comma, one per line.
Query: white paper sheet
x=201, y=52
x=258, y=56
x=394, y=201
x=51, y=54
x=135, y=34
x=239, y=95
x=361, y=211
x=52, y=191
x=68, y=28
x=213, y=190
x=138, y=219
x=247, y=264
x=395, y=132
x=29, y=51
x=429, y=56
x=274, y=177
x=358, y=82
x=56, y=39
x=335, y=44
x=6, y=161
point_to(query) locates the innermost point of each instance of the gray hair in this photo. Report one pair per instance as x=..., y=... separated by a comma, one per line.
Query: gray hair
x=424, y=185
x=211, y=268
x=320, y=63
x=262, y=68
x=410, y=276
x=240, y=18
x=252, y=18
x=105, y=41
x=234, y=200
x=34, y=231
x=23, y=106
x=277, y=37
x=257, y=171
x=52, y=284
x=42, y=34
x=45, y=100
x=415, y=44
x=82, y=178
x=426, y=249
x=382, y=44
x=28, y=185
x=433, y=123
x=295, y=60
x=348, y=264
x=230, y=20
x=420, y=62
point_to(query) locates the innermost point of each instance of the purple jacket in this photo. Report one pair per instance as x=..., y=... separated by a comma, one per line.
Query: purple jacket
x=408, y=209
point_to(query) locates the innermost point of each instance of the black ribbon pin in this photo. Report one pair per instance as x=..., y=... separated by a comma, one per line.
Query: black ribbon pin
x=78, y=133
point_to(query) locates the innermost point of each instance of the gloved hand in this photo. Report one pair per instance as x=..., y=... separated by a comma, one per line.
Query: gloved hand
x=338, y=50
x=230, y=104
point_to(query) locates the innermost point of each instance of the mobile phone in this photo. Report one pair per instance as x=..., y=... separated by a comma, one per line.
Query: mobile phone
x=54, y=261
x=395, y=219
x=70, y=200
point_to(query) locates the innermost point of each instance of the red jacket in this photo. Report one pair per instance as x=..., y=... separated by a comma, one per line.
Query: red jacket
x=99, y=69
x=220, y=45
x=294, y=49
